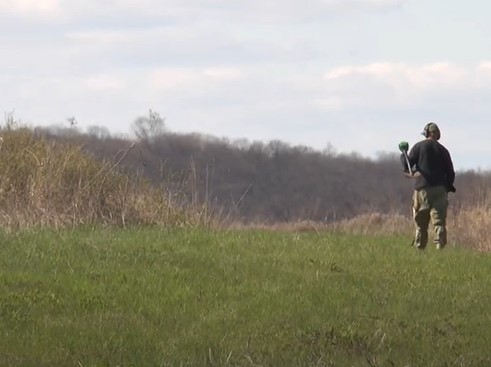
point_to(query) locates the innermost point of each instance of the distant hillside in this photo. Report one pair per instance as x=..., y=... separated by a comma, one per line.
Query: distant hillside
x=270, y=182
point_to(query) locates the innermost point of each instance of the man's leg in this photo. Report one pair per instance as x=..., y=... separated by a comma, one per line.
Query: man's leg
x=421, y=215
x=439, y=216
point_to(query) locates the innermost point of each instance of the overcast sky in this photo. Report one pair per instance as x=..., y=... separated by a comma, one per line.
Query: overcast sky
x=360, y=75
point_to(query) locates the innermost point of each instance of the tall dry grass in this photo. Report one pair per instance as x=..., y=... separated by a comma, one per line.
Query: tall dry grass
x=48, y=184
x=467, y=227
x=471, y=227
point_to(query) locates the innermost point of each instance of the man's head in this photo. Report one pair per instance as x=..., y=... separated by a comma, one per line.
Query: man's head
x=431, y=131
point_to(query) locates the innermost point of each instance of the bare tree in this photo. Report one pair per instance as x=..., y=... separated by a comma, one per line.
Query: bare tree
x=100, y=132
x=149, y=128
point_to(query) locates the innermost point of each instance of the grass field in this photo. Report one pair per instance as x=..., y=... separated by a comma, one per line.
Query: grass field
x=149, y=297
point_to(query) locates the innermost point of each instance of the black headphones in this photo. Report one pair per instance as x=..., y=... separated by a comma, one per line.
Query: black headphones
x=426, y=130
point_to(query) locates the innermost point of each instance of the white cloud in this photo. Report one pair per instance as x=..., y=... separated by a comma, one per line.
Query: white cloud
x=105, y=82
x=225, y=73
x=484, y=69
x=329, y=103
x=101, y=36
x=193, y=11
x=30, y=6
x=401, y=84
x=174, y=79
x=400, y=75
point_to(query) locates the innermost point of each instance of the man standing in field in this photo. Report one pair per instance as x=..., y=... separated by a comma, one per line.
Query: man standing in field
x=434, y=177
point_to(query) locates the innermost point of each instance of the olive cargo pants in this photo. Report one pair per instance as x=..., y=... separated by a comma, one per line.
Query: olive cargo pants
x=430, y=203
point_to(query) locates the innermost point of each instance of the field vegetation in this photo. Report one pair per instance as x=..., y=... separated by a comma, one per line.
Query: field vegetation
x=153, y=297
x=101, y=265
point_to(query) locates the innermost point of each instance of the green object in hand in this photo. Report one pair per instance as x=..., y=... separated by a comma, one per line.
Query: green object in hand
x=403, y=146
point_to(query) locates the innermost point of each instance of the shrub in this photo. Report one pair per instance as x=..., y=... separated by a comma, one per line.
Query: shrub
x=55, y=184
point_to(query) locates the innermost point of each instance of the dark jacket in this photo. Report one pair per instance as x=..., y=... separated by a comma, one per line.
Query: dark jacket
x=432, y=160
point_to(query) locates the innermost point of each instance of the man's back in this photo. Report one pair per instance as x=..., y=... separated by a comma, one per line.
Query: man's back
x=433, y=161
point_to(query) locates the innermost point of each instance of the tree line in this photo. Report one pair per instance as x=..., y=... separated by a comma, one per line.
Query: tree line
x=265, y=182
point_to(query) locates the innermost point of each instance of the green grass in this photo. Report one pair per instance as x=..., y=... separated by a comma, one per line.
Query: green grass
x=154, y=297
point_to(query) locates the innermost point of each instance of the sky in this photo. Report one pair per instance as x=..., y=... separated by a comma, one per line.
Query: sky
x=354, y=75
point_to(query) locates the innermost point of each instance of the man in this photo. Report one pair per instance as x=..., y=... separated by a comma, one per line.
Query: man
x=434, y=176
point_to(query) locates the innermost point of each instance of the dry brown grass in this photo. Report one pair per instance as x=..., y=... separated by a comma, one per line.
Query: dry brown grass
x=47, y=184
x=365, y=224
x=374, y=224
x=467, y=227
x=471, y=227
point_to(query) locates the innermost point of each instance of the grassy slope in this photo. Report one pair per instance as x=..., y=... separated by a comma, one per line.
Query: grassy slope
x=158, y=298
